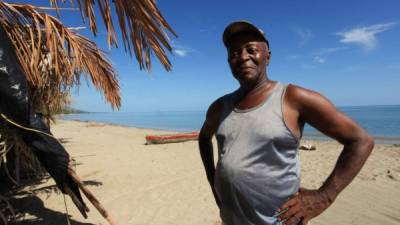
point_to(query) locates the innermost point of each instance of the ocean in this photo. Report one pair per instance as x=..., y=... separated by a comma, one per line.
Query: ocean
x=382, y=122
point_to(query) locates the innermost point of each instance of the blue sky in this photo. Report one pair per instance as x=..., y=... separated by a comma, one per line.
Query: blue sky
x=349, y=51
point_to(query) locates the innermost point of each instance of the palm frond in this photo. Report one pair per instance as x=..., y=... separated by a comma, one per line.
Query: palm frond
x=54, y=56
x=143, y=28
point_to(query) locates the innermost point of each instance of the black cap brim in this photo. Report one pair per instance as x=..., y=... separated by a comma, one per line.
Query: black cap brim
x=241, y=27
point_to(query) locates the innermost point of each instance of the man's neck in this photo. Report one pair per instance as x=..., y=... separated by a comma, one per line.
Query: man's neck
x=259, y=85
x=251, y=97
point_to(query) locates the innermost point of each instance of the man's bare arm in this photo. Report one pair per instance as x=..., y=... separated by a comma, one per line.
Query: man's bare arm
x=321, y=114
x=205, y=143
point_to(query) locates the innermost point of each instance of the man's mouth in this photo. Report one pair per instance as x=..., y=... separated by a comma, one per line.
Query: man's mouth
x=245, y=68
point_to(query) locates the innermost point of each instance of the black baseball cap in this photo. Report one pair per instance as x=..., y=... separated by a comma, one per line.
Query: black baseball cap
x=241, y=26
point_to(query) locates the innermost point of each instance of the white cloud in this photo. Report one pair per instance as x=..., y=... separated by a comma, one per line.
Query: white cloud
x=366, y=36
x=319, y=59
x=320, y=55
x=181, y=52
x=327, y=51
x=305, y=35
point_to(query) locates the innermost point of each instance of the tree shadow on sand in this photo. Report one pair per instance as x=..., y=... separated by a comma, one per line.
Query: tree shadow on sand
x=39, y=215
x=50, y=189
x=30, y=209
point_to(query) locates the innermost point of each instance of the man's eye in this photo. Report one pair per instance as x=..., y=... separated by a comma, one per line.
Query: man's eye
x=234, y=54
x=251, y=50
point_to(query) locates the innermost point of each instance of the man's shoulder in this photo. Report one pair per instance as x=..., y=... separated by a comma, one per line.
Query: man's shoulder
x=221, y=100
x=212, y=117
x=216, y=108
x=296, y=92
x=299, y=96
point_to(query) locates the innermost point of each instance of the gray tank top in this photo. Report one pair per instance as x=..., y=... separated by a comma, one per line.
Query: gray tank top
x=258, y=166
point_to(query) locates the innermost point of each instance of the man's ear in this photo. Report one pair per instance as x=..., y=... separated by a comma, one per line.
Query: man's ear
x=268, y=56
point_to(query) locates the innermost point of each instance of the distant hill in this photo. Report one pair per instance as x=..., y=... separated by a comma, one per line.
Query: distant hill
x=70, y=110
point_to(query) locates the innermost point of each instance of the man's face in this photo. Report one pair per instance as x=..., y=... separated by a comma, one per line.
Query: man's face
x=248, y=56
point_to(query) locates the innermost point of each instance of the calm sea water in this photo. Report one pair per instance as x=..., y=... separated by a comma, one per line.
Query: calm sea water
x=379, y=121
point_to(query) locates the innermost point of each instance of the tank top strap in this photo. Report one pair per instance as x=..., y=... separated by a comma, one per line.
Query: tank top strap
x=275, y=99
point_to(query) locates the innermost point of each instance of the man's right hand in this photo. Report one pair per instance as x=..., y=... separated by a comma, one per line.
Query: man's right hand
x=205, y=144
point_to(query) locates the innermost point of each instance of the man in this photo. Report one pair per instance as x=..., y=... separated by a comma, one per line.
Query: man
x=258, y=128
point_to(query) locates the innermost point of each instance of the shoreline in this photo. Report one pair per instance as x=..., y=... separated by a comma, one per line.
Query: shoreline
x=389, y=140
x=126, y=126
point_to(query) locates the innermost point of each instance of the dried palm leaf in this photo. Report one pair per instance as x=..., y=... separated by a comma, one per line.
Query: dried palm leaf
x=11, y=146
x=144, y=29
x=54, y=56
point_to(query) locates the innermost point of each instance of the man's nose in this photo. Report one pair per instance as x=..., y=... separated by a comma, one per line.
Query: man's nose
x=244, y=55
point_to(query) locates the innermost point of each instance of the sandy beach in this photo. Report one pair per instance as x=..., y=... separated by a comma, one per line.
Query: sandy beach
x=166, y=185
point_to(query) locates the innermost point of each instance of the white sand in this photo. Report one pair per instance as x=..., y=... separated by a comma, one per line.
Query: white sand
x=166, y=184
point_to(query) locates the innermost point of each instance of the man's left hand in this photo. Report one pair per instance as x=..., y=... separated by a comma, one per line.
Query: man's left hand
x=304, y=206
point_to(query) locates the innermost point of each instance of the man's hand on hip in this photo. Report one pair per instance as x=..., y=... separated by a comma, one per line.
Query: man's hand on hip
x=304, y=206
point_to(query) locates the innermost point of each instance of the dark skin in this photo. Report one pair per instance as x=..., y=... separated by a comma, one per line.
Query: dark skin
x=248, y=57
